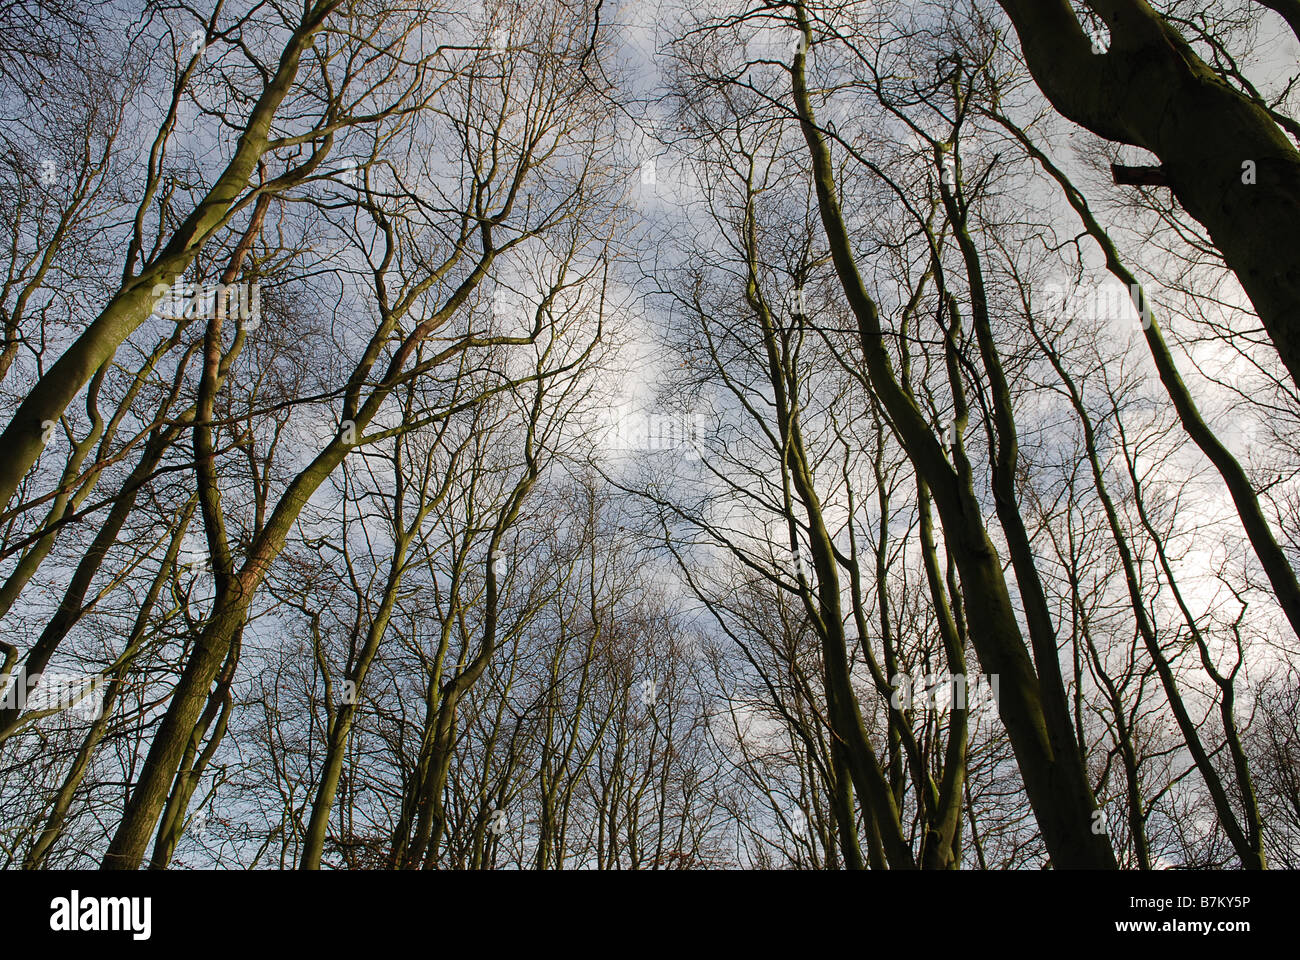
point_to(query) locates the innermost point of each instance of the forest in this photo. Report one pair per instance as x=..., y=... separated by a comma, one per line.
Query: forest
x=650, y=435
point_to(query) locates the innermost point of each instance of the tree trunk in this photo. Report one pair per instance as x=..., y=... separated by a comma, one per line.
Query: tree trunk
x=1224, y=157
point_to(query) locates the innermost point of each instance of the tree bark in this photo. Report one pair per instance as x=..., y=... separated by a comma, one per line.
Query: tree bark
x=1226, y=160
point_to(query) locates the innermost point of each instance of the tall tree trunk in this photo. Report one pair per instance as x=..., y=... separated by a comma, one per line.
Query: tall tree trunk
x=1062, y=801
x=1245, y=842
x=1226, y=159
x=117, y=681
x=1280, y=573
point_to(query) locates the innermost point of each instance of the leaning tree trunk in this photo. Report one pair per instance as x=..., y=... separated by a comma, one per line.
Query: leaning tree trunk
x=1053, y=773
x=1225, y=158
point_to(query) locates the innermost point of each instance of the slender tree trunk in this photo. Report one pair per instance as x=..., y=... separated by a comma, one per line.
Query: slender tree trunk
x=1281, y=575
x=117, y=680
x=1247, y=847
x=1062, y=801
